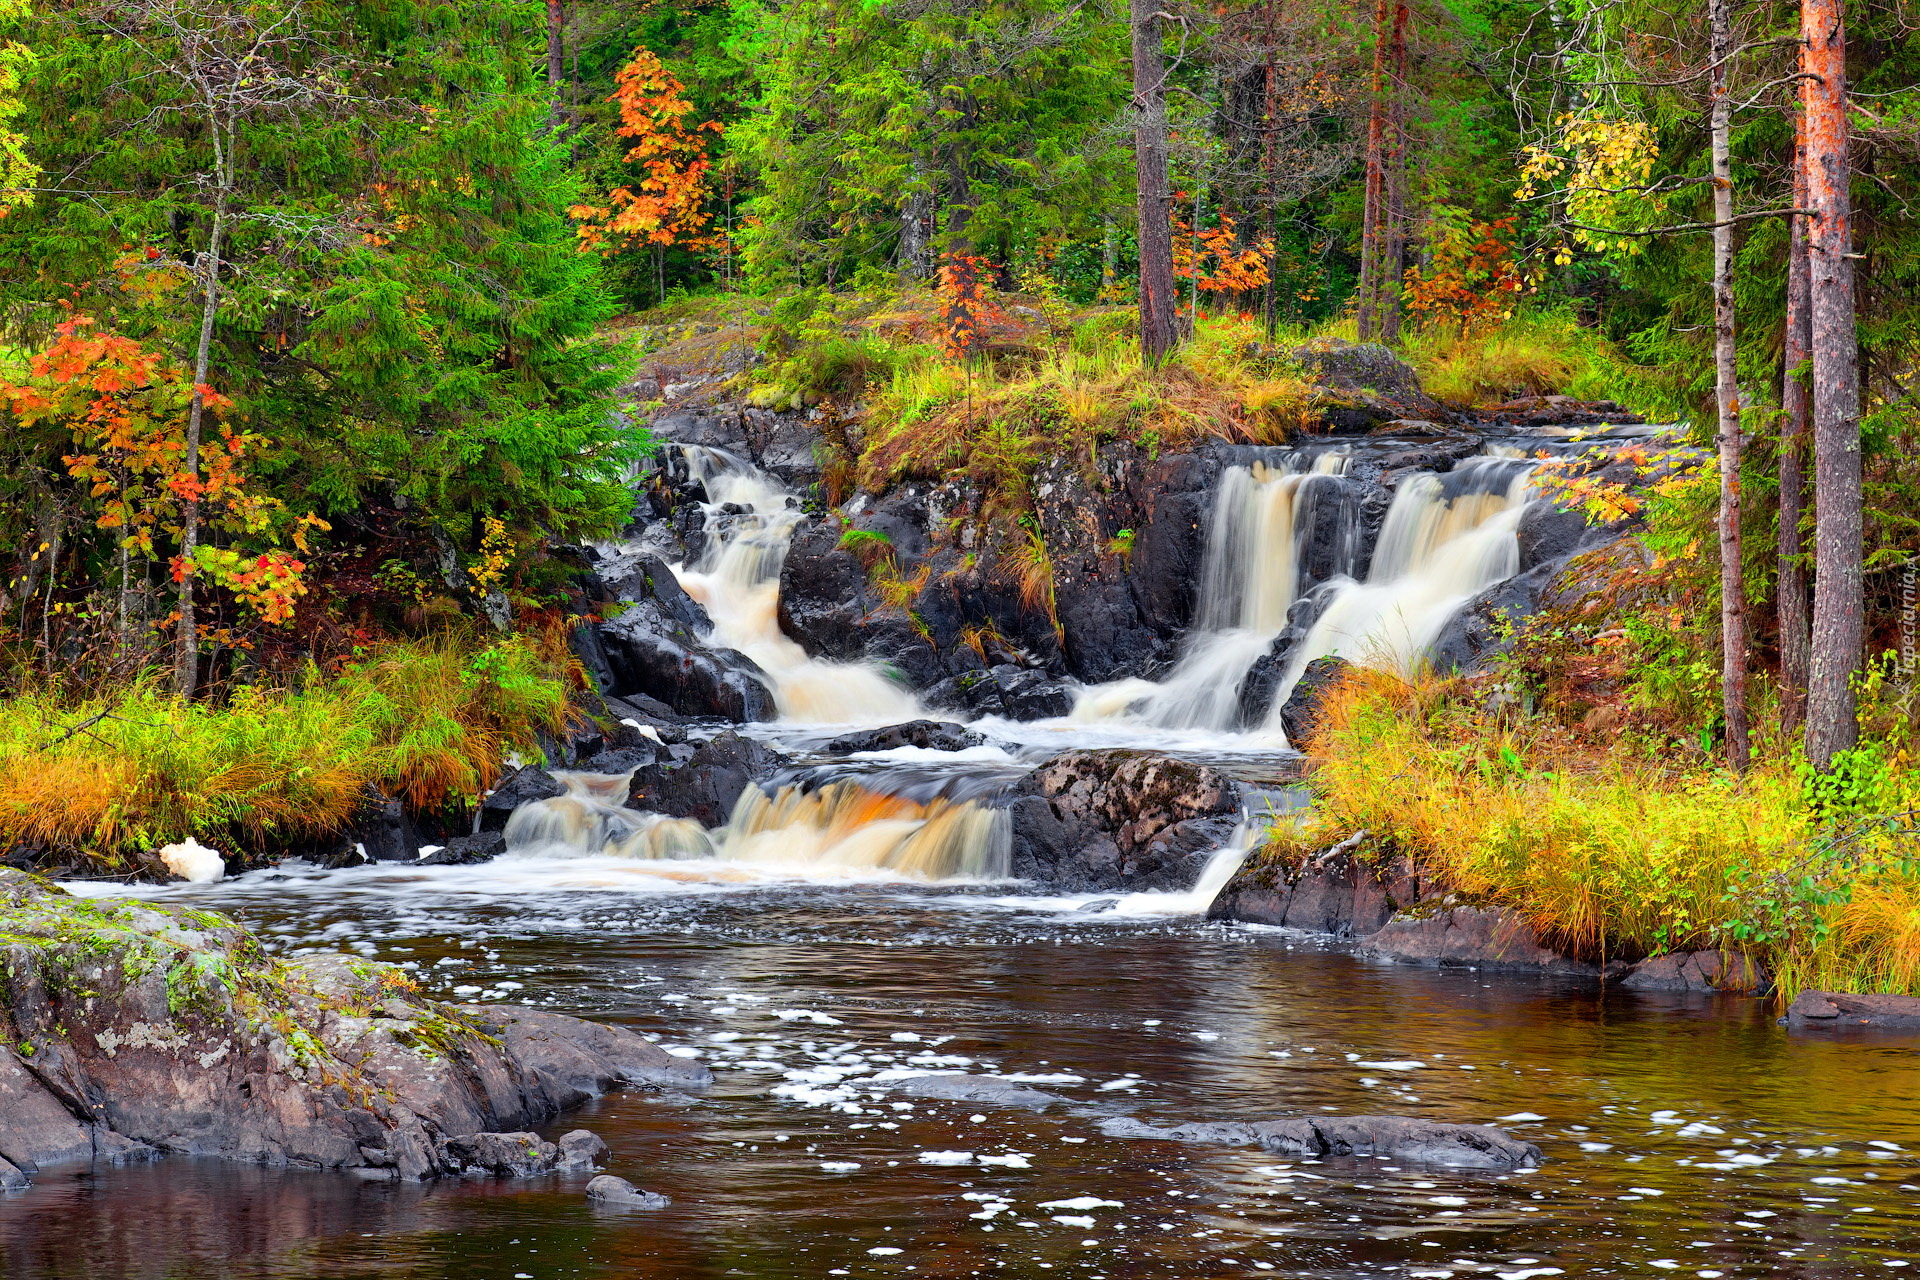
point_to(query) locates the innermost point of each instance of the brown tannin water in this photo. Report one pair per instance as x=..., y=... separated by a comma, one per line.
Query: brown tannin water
x=1683, y=1135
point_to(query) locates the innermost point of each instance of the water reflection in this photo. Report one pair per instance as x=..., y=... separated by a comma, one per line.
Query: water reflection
x=1684, y=1135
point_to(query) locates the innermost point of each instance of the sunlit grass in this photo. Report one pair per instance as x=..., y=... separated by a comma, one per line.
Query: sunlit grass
x=111, y=777
x=1604, y=850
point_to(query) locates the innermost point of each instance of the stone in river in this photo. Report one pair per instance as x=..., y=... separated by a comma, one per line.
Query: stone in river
x=1400, y=1138
x=130, y=1028
x=1844, y=1009
x=618, y=1192
x=959, y=1087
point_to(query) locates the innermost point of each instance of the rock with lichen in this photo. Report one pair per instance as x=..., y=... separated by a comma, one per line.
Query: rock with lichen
x=130, y=1029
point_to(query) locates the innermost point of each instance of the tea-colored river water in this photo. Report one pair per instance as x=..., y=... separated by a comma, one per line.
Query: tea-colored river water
x=1683, y=1135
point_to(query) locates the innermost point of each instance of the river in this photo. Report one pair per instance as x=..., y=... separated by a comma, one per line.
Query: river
x=809, y=960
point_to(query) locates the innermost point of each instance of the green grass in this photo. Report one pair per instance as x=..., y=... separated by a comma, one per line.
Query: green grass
x=1535, y=353
x=111, y=777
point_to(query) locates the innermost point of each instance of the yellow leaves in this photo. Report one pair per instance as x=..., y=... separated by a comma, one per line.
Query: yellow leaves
x=1605, y=165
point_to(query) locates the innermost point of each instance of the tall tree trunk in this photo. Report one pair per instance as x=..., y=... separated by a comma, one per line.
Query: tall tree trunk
x=1791, y=594
x=1393, y=249
x=1373, y=206
x=1733, y=617
x=916, y=226
x=1839, y=602
x=186, y=669
x=1154, y=198
x=556, y=61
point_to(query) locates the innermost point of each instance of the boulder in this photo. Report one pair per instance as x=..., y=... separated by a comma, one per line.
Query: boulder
x=1302, y=707
x=654, y=653
x=1110, y=819
x=464, y=851
x=523, y=786
x=617, y=1193
x=1334, y=892
x=581, y=1149
x=929, y=735
x=1364, y=385
x=1697, y=971
x=130, y=1028
x=1846, y=1009
x=703, y=784
x=1397, y=1138
x=1014, y=693
x=1480, y=938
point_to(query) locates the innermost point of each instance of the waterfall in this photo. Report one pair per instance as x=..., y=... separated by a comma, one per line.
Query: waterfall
x=1249, y=577
x=750, y=520
x=841, y=828
x=1447, y=538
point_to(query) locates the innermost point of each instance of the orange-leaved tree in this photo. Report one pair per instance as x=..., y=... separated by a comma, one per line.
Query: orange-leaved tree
x=967, y=307
x=125, y=411
x=1472, y=276
x=1215, y=262
x=667, y=206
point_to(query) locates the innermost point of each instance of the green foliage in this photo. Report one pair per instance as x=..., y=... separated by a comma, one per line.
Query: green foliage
x=405, y=317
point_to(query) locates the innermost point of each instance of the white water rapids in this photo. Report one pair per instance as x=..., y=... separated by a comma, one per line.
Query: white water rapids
x=1444, y=538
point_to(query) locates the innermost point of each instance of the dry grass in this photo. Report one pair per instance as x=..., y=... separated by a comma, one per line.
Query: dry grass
x=1605, y=851
x=110, y=778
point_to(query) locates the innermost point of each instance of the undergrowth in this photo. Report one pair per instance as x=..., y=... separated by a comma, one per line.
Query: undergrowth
x=1616, y=846
x=111, y=777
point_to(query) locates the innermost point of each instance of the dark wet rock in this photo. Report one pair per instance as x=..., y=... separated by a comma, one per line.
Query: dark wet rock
x=1334, y=892
x=1005, y=690
x=465, y=851
x=1477, y=937
x=930, y=735
x=1124, y=537
x=1485, y=625
x=504, y=1155
x=523, y=786
x=129, y=1027
x=1846, y=1009
x=1397, y=1138
x=656, y=654
x=624, y=760
x=1302, y=708
x=1093, y=820
x=580, y=1150
x=381, y=830
x=706, y=783
x=1697, y=971
x=653, y=580
x=959, y=1087
x=619, y=1193
x=1365, y=384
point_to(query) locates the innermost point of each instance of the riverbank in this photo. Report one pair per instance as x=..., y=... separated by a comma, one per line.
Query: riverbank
x=1611, y=844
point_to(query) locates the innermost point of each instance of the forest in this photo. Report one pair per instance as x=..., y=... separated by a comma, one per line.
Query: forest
x=1441, y=477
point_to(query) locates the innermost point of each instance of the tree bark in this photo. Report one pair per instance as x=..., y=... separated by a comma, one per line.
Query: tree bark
x=1790, y=595
x=1393, y=250
x=556, y=61
x=916, y=226
x=1154, y=198
x=1839, y=603
x=1372, y=207
x=186, y=670
x=1733, y=620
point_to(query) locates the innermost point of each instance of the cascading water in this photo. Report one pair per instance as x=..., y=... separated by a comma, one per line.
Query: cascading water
x=1249, y=577
x=841, y=828
x=750, y=520
x=1447, y=537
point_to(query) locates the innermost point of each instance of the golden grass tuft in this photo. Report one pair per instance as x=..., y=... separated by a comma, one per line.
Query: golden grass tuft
x=112, y=777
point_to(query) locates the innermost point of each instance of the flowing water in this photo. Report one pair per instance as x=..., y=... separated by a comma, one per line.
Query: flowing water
x=1685, y=1135
x=851, y=925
